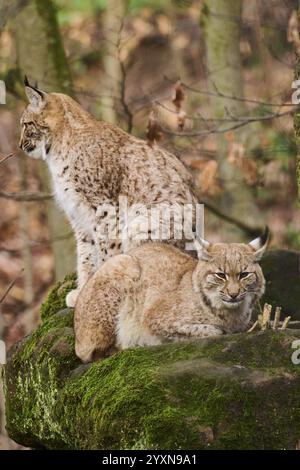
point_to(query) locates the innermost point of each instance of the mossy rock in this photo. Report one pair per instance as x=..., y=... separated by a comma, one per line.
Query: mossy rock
x=282, y=272
x=232, y=392
x=56, y=298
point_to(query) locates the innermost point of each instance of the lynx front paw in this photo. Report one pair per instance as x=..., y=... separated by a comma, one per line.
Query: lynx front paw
x=71, y=298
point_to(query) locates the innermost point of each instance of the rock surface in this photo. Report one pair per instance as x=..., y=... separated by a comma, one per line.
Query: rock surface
x=282, y=272
x=232, y=392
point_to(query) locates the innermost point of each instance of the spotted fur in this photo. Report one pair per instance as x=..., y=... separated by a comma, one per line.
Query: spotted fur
x=157, y=293
x=93, y=163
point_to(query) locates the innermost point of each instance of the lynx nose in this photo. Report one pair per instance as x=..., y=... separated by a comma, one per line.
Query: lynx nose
x=233, y=295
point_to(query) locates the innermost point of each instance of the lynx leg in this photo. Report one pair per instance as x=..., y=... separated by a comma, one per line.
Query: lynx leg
x=85, y=265
x=98, y=305
x=198, y=330
x=105, y=234
x=95, y=319
x=189, y=330
x=170, y=326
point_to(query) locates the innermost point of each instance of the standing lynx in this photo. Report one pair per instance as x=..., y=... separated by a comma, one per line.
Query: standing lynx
x=156, y=293
x=92, y=164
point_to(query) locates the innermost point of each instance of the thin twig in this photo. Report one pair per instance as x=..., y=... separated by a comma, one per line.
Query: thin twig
x=266, y=316
x=10, y=286
x=33, y=243
x=242, y=123
x=4, y=159
x=220, y=94
x=285, y=323
x=205, y=120
x=253, y=327
x=125, y=106
x=235, y=98
x=25, y=196
x=276, y=318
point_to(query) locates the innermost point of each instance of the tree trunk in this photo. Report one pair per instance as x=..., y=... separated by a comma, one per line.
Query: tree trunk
x=297, y=112
x=114, y=85
x=9, y=9
x=222, y=27
x=41, y=56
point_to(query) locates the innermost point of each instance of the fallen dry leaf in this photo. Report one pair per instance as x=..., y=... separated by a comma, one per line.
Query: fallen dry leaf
x=208, y=178
x=154, y=131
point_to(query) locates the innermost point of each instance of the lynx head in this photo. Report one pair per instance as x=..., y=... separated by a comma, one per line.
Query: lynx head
x=36, y=128
x=45, y=117
x=228, y=274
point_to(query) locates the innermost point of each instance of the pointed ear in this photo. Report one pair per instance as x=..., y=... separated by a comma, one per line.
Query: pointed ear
x=202, y=246
x=260, y=244
x=35, y=96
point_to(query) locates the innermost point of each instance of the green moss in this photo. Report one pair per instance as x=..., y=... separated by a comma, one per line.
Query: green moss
x=205, y=394
x=36, y=345
x=189, y=395
x=236, y=392
x=56, y=299
x=39, y=366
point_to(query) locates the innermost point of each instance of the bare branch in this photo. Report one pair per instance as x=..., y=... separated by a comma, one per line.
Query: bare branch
x=125, y=106
x=127, y=111
x=33, y=243
x=230, y=118
x=246, y=228
x=232, y=97
x=25, y=196
x=10, y=286
x=4, y=159
x=222, y=130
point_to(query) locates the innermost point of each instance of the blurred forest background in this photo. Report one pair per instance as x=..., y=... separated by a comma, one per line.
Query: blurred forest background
x=211, y=80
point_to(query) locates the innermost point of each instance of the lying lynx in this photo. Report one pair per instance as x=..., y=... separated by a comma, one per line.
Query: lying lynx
x=156, y=293
x=93, y=163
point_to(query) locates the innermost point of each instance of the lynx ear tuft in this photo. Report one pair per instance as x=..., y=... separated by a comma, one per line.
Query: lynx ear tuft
x=35, y=96
x=202, y=247
x=260, y=244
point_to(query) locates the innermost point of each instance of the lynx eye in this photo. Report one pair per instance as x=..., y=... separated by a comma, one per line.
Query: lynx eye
x=243, y=274
x=221, y=275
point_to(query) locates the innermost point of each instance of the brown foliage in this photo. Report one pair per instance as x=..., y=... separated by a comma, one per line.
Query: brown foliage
x=154, y=131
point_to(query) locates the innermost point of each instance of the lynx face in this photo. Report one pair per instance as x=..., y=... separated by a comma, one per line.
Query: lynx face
x=38, y=123
x=35, y=137
x=229, y=276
